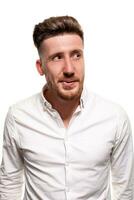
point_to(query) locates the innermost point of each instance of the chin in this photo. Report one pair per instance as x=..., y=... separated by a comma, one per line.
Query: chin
x=70, y=94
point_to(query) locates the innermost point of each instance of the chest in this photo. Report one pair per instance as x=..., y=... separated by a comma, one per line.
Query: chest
x=89, y=145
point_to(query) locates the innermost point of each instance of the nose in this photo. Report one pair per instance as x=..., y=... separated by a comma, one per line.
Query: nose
x=68, y=67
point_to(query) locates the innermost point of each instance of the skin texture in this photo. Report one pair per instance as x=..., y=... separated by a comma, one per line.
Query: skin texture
x=62, y=63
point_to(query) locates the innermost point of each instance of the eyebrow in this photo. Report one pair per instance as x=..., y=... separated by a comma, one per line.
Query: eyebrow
x=77, y=51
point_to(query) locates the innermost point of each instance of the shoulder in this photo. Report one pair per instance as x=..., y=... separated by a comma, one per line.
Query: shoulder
x=27, y=101
x=106, y=110
x=112, y=106
x=106, y=107
x=26, y=105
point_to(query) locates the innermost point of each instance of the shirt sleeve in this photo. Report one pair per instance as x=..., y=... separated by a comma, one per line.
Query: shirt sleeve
x=11, y=170
x=122, y=161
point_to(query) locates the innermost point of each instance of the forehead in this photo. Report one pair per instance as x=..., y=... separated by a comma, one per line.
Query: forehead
x=61, y=43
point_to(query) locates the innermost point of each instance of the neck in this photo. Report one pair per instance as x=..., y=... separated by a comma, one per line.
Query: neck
x=65, y=108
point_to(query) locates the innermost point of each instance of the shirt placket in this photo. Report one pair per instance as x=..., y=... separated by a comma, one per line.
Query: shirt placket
x=67, y=164
x=66, y=142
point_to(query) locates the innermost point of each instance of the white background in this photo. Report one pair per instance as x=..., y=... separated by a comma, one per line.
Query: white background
x=109, y=48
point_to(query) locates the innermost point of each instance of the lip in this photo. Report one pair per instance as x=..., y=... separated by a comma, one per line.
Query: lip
x=69, y=84
x=69, y=80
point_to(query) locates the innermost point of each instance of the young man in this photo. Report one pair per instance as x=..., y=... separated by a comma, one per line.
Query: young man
x=65, y=140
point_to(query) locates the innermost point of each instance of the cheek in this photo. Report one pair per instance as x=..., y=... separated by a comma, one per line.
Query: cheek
x=47, y=75
x=50, y=76
x=81, y=69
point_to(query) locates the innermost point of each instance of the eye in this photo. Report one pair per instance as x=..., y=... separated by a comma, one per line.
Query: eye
x=76, y=55
x=56, y=57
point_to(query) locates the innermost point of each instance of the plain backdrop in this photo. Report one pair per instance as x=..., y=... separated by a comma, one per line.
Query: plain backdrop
x=109, y=48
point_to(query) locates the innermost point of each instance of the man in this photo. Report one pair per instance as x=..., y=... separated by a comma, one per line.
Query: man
x=65, y=140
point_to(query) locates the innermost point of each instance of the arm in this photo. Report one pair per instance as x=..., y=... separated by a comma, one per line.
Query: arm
x=122, y=161
x=11, y=170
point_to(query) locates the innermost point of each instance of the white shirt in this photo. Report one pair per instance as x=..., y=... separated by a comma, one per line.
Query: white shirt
x=71, y=163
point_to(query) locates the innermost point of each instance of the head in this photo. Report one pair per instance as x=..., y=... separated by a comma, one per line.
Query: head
x=60, y=43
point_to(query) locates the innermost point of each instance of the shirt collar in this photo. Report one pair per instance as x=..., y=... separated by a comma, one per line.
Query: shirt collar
x=47, y=105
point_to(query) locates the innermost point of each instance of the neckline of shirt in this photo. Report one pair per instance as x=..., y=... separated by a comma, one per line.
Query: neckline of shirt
x=47, y=105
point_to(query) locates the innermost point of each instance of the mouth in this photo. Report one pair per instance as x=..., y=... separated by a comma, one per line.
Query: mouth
x=69, y=83
x=68, y=80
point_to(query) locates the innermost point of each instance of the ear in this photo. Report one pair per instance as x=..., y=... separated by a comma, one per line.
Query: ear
x=40, y=67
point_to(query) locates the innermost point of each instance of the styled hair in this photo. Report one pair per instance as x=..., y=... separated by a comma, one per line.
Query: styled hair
x=54, y=26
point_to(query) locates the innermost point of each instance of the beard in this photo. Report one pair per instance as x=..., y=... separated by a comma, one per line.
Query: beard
x=69, y=94
x=66, y=92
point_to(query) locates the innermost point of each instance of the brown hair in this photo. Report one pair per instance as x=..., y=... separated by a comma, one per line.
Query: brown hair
x=54, y=26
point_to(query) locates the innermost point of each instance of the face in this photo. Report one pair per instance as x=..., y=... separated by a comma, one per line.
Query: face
x=62, y=63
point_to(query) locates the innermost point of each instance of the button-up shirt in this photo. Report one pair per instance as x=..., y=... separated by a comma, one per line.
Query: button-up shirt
x=79, y=162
